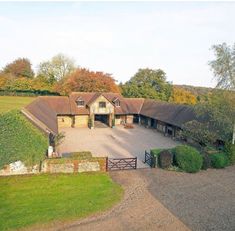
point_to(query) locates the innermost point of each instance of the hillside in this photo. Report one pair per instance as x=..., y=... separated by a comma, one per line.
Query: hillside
x=20, y=140
x=197, y=91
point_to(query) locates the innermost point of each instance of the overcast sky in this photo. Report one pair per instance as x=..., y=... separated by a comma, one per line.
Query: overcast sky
x=120, y=38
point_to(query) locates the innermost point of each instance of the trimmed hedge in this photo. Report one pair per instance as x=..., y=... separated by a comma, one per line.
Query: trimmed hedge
x=219, y=160
x=155, y=152
x=26, y=92
x=165, y=159
x=188, y=158
x=79, y=155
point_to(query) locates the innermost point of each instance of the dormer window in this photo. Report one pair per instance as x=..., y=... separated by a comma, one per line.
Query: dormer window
x=117, y=103
x=80, y=103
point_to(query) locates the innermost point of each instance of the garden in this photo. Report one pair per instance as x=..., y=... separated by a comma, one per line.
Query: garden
x=189, y=159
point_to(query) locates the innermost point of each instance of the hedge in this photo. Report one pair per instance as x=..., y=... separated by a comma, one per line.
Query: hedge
x=155, y=152
x=219, y=160
x=188, y=158
x=20, y=140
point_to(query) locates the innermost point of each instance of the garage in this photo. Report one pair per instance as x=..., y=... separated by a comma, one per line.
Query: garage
x=101, y=120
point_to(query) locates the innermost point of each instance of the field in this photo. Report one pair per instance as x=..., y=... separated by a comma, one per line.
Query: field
x=8, y=103
x=39, y=199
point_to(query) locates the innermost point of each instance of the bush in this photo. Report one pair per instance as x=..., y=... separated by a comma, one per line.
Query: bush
x=206, y=161
x=230, y=152
x=218, y=160
x=188, y=158
x=165, y=159
x=155, y=152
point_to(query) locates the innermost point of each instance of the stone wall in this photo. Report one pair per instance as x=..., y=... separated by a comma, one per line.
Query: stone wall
x=18, y=168
x=57, y=165
x=69, y=165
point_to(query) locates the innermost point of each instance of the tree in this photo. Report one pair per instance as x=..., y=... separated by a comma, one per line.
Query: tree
x=216, y=115
x=214, y=119
x=20, y=67
x=87, y=81
x=224, y=66
x=148, y=83
x=181, y=96
x=57, y=68
x=224, y=69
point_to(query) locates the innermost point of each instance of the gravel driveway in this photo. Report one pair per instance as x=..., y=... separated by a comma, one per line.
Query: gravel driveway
x=115, y=143
x=203, y=201
x=162, y=200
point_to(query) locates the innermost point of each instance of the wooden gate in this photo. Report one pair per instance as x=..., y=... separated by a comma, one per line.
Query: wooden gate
x=149, y=159
x=121, y=163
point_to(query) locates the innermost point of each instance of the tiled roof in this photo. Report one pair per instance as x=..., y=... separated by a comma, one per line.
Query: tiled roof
x=46, y=108
x=134, y=105
x=174, y=114
x=43, y=111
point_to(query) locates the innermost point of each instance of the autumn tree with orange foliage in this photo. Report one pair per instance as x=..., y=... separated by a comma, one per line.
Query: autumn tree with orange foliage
x=85, y=80
x=181, y=96
x=20, y=67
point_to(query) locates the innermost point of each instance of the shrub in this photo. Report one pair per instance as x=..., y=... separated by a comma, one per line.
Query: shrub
x=165, y=159
x=230, y=152
x=218, y=160
x=155, y=152
x=206, y=161
x=90, y=123
x=188, y=158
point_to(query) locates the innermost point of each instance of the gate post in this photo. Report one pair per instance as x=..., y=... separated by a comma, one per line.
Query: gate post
x=107, y=160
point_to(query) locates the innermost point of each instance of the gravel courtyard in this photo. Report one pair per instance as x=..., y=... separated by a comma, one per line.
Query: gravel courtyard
x=115, y=143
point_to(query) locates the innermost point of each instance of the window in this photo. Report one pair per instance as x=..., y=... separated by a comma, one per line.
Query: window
x=117, y=103
x=102, y=104
x=80, y=103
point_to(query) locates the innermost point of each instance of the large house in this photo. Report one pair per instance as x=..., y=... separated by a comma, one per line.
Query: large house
x=50, y=113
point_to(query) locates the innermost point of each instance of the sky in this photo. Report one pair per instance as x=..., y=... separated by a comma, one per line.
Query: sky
x=120, y=37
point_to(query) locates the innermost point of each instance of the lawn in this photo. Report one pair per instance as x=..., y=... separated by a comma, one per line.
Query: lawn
x=8, y=103
x=39, y=199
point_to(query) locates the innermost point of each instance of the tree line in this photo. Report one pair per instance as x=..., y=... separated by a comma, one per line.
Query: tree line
x=58, y=75
x=61, y=76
